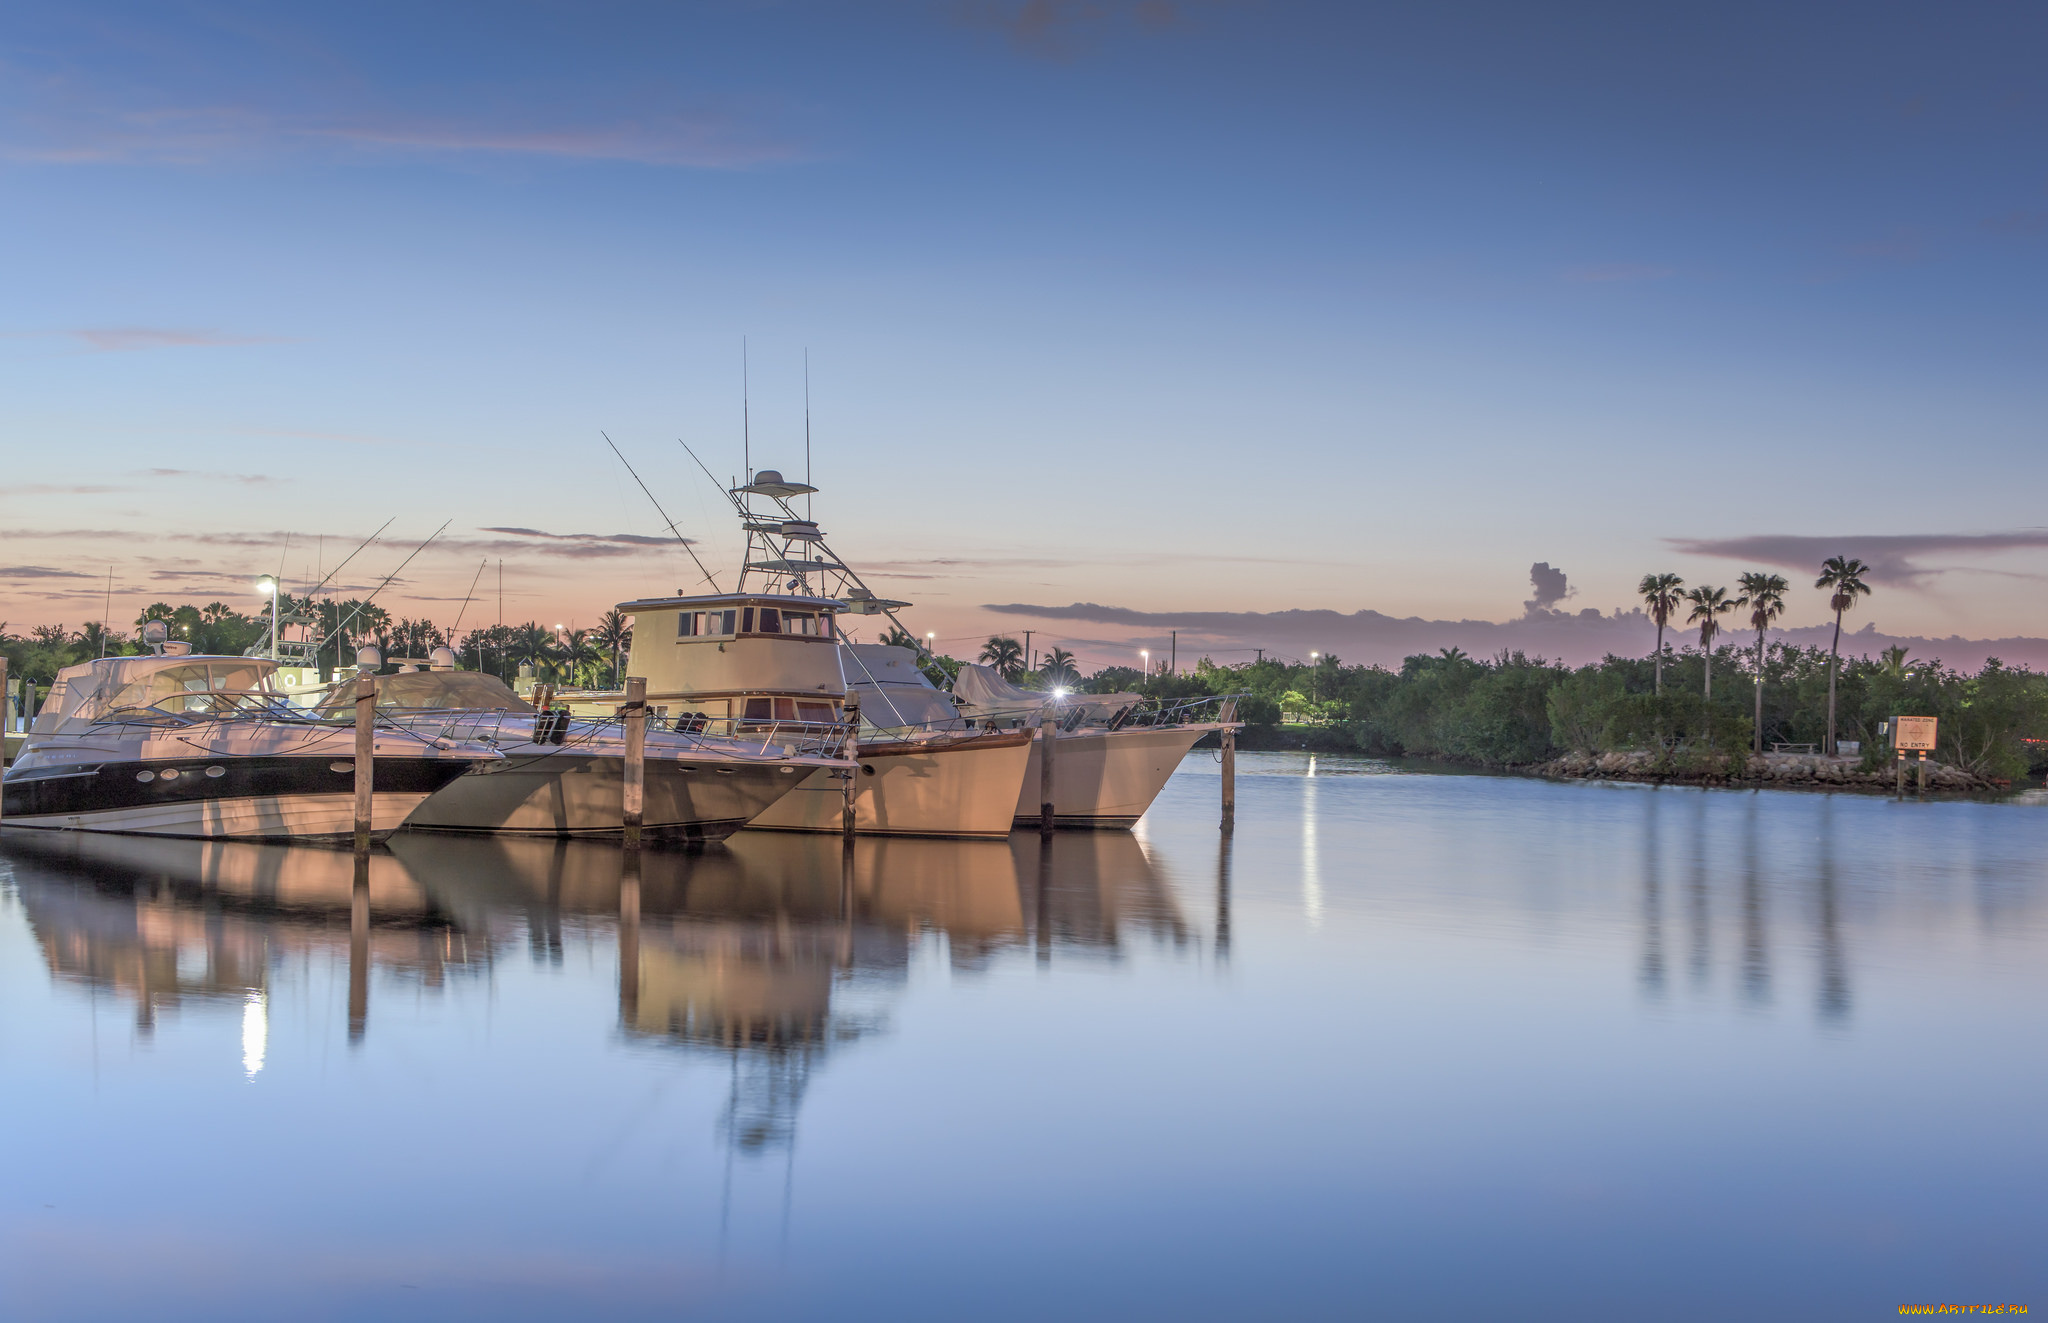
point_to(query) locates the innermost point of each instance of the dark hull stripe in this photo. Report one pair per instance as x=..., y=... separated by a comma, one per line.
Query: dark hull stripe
x=114, y=786
x=714, y=830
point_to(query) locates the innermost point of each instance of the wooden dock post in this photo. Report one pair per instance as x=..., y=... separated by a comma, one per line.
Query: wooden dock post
x=1048, y=736
x=366, y=745
x=1229, y=767
x=1900, y=790
x=1923, y=772
x=853, y=773
x=633, y=795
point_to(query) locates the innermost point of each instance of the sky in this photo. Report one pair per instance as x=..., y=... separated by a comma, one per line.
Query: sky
x=1118, y=317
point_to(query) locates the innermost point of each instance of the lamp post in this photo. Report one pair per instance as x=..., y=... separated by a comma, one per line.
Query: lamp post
x=267, y=585
x=1146, y=654
x=931, y=636
x=1315, y=679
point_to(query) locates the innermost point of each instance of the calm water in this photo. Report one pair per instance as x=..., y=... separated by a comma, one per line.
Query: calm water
x=1434, y=1046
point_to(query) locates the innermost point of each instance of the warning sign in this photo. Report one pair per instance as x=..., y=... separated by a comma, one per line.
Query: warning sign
x=1913, y=733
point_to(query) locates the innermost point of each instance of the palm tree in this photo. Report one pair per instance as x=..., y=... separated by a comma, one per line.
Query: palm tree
x=1708, y=606
x=1058, y=669
x=1006, y=655
x=613, y=634
x=1845, y=576
x=1661, y=593
x=1892, y=661
x=1764, y=596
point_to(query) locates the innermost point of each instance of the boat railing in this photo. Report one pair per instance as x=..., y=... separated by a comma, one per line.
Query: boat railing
x=755, y=738
x=1145, y=714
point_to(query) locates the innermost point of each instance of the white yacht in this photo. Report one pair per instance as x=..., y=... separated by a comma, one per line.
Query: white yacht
x=565, y=777
x=1115, y=752
x=183, y=745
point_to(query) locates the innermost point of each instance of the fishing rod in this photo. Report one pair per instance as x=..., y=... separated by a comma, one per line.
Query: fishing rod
x=663, y=513
x=314, y=591
x=387, y=583
x=468, y=597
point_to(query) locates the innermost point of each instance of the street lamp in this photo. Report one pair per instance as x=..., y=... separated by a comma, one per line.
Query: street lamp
x=1146, y=653
x=1315, y=681
x=930, y=637
x=267, y=585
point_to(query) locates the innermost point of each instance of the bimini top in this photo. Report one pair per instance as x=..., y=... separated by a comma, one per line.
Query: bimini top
x=770, y=482
x=705, y=600
x=85, y=693
x=469, y=691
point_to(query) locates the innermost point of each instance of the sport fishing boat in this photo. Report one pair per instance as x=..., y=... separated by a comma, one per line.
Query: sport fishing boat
x=1116, y=751
x=182, y=745
x=564, y=776
x=763, y=666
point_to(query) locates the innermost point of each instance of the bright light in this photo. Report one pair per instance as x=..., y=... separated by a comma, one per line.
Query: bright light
x=1059, y=693
x=266, y=585
x=1313, y=655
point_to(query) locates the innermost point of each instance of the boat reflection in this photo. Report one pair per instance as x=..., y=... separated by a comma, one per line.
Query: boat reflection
x=773, y=950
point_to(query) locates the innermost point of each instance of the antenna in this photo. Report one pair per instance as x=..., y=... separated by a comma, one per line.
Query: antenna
x=807, y=429
x=663, y=513
x=746, y=418
x=107, y=613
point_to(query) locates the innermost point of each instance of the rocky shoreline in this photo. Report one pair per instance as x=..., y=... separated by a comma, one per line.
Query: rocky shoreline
x=1770, y=769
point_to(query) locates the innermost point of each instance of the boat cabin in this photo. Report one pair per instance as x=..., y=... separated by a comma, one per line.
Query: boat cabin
x=741, y=658
x=176, y=683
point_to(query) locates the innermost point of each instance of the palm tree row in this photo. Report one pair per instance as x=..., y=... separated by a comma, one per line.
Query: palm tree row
x=1763, y=596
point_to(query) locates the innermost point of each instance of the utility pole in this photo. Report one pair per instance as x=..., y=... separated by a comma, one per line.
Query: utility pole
x=1173, y=652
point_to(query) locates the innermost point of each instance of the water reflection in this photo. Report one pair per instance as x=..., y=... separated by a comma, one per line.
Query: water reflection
x=773, y=951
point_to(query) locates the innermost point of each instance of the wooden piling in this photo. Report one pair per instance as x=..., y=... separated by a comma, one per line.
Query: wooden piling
x=366, y=744
x=1229, y=715
x=853, y=773
x=633, y=796
x=1923, y=772
x=1901, y=788
x=629, y=938
x=1048, y=736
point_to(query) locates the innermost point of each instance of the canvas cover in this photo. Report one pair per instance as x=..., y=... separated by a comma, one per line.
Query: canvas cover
x=467, y=691
x=893, y=690
x=986, y=694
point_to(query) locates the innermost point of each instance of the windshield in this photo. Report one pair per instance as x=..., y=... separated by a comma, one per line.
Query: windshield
x=194, y=687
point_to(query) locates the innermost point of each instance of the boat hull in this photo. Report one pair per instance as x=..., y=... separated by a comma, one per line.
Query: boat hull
x=957, y=788
x=1106, y=778
x=310, y=797
x=566, y=793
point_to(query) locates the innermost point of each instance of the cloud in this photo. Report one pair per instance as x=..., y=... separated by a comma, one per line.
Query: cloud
x=127, y=339
x=248, y=479
x=40, y=572
x=1894, y=558
x=1572, y=637
x=200, y=135
x=1901, y=245
x=1550, y=587
x=591, y=539
x=2023, y=223
x=56, y=489
x=1617, y=272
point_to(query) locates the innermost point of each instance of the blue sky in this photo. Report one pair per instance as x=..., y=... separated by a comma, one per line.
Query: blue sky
x=1165, y=307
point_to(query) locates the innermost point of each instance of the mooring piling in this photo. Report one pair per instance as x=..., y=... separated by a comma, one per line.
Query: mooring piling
x=366, y=744
x=359, y=950
x=853, y=773
x=633, y=794
x=1048, y=736
x=1229, y=766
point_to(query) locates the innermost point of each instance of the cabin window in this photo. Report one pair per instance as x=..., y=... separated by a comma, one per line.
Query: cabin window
x=818, y=712
x=760, y=709
x=747, y=621
x=798, y=622
x=771, y=620
x=703, y=624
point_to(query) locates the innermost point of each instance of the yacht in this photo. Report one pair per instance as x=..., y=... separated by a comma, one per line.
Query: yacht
x=771, y=665
x=563, y=776
x=178, y=744
x=1115, y=751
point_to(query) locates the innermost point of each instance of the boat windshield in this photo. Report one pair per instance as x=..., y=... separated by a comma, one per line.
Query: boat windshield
x=194, y=688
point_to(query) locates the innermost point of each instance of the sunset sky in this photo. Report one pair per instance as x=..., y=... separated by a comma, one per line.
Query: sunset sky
x=1166, y=307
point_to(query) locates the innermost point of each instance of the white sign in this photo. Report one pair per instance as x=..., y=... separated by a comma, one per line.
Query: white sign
x=1912, y=733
